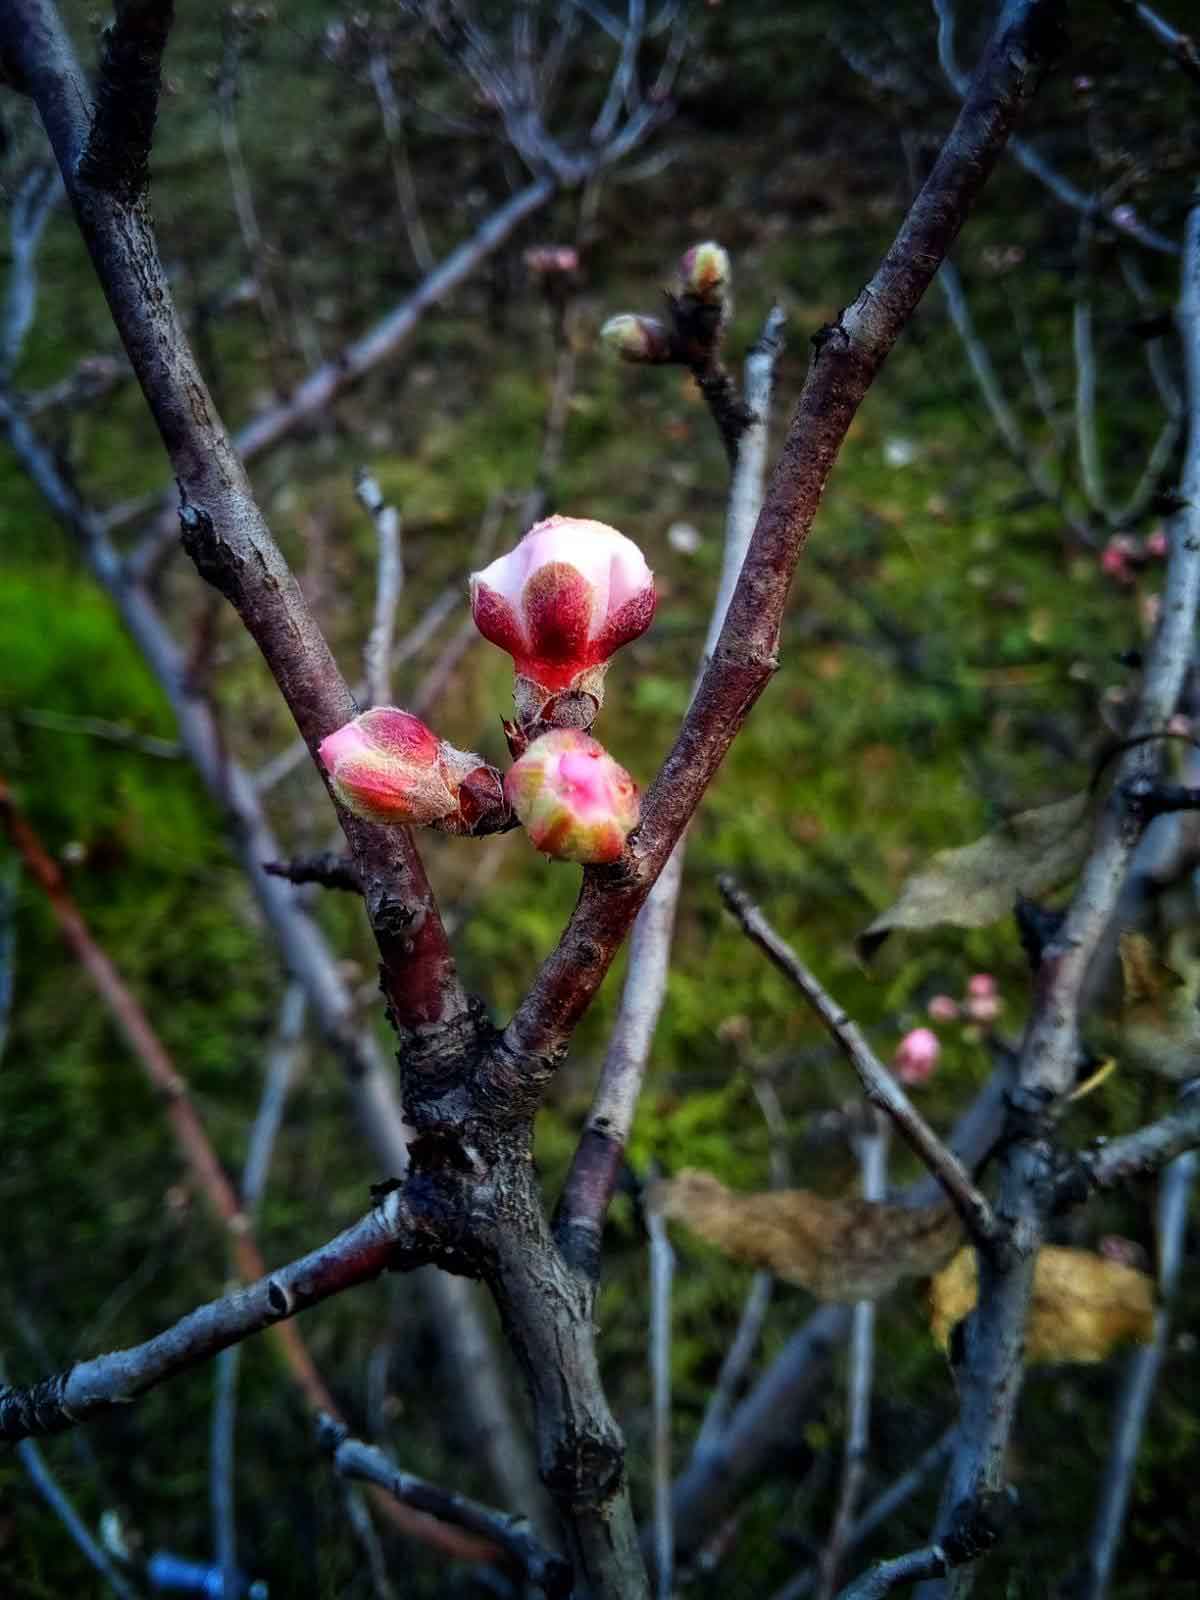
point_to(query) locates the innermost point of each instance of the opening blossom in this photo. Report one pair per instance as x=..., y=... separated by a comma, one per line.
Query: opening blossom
x=575, y=801
x=388, y=766
x=917, y=1055
x=571, y=593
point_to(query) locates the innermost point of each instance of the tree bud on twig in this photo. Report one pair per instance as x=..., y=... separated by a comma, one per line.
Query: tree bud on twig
x=704, y=271
x=574, y=800
x=637, y=338
x=571, y=593
x=388, y=766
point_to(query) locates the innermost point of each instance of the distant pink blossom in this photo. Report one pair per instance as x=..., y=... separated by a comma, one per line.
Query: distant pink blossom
x=1116, y=556
x=943, y=1009
x=545, y=260
x=982, y=986
x=1157, y=544
x=917, y=1056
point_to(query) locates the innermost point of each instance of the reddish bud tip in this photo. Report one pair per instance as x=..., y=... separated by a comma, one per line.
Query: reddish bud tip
x=571, y=593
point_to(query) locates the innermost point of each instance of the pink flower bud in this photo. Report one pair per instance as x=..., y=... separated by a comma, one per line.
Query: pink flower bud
x=545, y=260
x=388, y=766
x=982, y=986
x=917, y=1055
x=982, y=1008
x=942, y=1008
x=575, y=802
x=636, y=338
x=1116, y=556
x=705, y=271
x=571, y=593
x=1157, y=544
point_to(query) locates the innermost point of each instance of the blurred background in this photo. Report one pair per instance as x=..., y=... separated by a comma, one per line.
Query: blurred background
x=956, y=650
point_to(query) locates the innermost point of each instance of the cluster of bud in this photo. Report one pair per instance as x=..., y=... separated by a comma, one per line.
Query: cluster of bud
x=700, y=303
x=1124, y=555
x=571, y=593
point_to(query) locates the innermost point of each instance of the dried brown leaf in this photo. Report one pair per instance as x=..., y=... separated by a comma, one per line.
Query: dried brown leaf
x=1083, y=1304
x=979, y=883
x=836, y=1249
x=1158, y=1027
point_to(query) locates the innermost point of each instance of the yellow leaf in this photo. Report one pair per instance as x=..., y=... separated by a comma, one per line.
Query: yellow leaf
x=1083, y=1304
x=1159, y=1027
x=836, y=1249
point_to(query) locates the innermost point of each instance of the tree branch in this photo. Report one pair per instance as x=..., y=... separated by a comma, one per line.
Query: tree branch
x=461, y=1331
x=1141, y=1375
x=588, y=1190
x=1036, y=164
x=116, y=154
x=872, y=1155
x=388, y=1238
x=549, y=1574
x=223, y=529
x=1134, y=1155
x=1181, y=47
x=330, y=868
x=770, y=1418
x=992, y=1370
x=848, y=356
x=879, y=1086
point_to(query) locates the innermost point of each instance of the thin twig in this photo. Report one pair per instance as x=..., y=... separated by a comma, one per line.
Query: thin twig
x=589, y=1185
x=881, y=1510
x=1141, y=1375
x=281, y=1064
x=389, y=582
x=1133, y=1155
x=662, y=1269
x=1061, y=187
x=1182, y=47
x=380, y=76
x=851, y=351
x=257, y=252
x=991, y=1373
x=30, y=209
x=872, y=1155
x=53, y=1493
x=317, y=393
x=452, y=1302
x=98, y=728
x=1091, y=465
x=878, y=1084
x=352, y=1458
x=280, y=766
